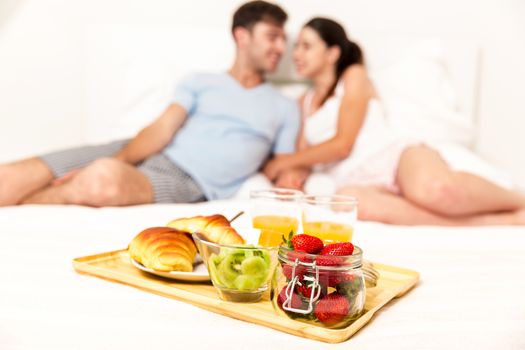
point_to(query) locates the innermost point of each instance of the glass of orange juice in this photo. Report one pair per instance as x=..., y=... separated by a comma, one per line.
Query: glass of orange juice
x=332, y=218
x=276, y=212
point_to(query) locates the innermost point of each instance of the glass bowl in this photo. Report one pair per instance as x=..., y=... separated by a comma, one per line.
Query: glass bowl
x=240, y=273
x=324, y=290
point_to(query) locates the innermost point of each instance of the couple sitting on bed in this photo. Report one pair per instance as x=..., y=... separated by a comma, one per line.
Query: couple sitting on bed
x=220, y=129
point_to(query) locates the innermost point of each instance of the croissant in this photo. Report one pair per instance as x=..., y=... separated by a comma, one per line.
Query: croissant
x=163, y=249
x=215, y=228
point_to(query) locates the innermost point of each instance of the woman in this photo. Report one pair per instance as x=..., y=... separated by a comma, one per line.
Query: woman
x=397, y=181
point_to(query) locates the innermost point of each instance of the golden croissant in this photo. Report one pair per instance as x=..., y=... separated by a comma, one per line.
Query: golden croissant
x=163, y=249
x=215, y=228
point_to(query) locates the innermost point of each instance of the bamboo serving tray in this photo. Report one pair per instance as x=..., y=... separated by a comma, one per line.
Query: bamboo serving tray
x=116, y=266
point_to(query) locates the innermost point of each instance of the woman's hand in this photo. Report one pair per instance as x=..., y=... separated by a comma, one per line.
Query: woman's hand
x=276, y=166
x=293, y=178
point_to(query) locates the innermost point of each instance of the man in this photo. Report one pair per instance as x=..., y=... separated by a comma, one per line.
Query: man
x=217, y=132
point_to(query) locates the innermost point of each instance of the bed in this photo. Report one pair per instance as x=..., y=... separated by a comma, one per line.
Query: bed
x=470, y=293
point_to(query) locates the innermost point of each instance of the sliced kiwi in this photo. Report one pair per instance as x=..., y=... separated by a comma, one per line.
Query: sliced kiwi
x=254, y=266
x=229, y=269
x=212, y=269
x=243, y=269
x=216, y=259
x=266, y=256
x=247, y=282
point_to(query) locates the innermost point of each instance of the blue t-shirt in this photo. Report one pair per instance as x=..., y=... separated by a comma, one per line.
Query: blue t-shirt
x=230, y=131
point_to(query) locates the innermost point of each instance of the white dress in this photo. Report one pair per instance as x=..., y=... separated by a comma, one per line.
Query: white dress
x=375, y=154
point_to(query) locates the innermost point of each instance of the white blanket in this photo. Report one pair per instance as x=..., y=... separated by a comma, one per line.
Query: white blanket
x=470, y=294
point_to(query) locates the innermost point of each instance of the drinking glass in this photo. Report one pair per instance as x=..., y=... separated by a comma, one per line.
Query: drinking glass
x=331, y=218
x=277, y=213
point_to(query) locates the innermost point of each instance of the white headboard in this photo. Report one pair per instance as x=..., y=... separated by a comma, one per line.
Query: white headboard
x=130, y=73
x=462, y=59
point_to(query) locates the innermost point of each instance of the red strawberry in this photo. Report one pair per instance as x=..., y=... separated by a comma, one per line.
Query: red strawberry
x=308, y=244
x=300, y=270
x=332, y=309
x=333, y=278
x=302, y=256
x=328, y=278
x=341, y=277
x=307, y=291
x=296, y=299
x=338, y=249
x=331, y=253
x=327, y=260
x=287, y=271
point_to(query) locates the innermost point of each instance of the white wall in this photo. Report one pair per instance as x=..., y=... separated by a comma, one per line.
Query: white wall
x=43, y=57
x=7, y=7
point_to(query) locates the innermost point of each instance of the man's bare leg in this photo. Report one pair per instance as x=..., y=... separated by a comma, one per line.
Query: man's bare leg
x=379, y=205
x=105, y=182
x=425, y=179
x=21, y=178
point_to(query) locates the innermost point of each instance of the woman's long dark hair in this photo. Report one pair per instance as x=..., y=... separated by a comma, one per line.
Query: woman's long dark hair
x=333, y=34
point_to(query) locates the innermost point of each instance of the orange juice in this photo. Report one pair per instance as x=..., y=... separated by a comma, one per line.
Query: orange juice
x=269, y=238
x=329, y=232
x=273, y=227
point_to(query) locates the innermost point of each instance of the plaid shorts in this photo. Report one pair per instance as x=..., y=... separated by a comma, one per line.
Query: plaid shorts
x=170, y=183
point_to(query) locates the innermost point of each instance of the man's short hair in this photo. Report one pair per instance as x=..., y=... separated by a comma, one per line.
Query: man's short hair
x=253, y=12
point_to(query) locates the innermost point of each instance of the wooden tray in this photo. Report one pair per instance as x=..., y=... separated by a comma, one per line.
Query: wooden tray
x=116, y=266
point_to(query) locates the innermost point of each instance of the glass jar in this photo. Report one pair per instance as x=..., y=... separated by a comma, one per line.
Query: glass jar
x=323, y=290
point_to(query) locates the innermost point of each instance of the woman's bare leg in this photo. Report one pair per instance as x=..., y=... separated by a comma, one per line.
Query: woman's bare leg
x=380, y=205
x=426, y=180
x=21, y=178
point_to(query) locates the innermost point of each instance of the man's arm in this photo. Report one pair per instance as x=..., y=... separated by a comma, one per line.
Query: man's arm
x=153, y=138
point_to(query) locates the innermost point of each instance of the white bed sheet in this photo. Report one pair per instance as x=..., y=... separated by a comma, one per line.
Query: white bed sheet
x=470, y=294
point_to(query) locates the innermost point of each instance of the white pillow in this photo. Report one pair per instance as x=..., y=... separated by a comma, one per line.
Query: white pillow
x=460, y=158
x=419, y=97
